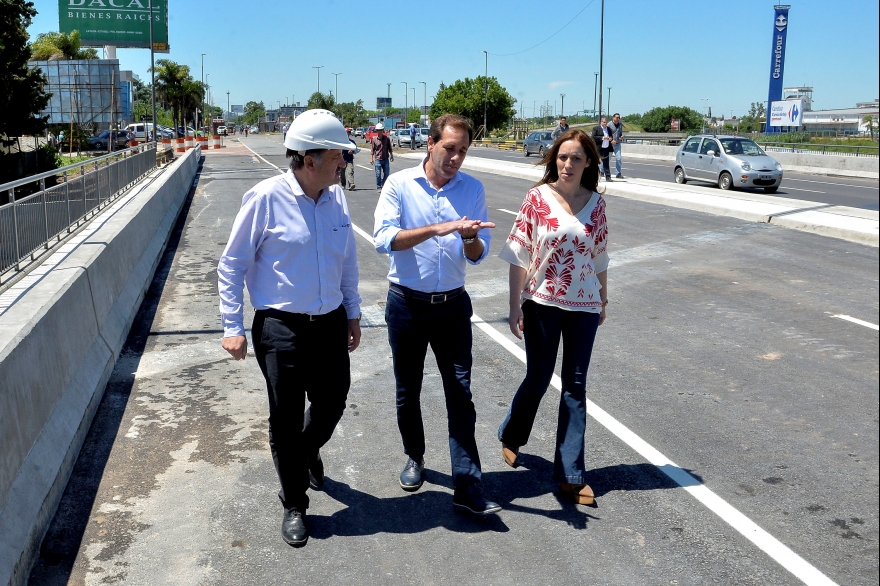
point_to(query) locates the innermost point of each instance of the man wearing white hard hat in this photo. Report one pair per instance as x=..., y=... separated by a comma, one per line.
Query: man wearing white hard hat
x=292, y=245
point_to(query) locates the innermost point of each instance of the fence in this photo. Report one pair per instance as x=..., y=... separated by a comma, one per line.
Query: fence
x=840, y=150
x=29, y=225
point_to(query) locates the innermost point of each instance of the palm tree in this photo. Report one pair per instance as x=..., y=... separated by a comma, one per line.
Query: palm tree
x=869, y=119
x=173, y=83
x=56, y=46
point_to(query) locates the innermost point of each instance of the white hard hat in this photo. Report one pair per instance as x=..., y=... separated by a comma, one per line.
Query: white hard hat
x=380, y=126
x=316, y=129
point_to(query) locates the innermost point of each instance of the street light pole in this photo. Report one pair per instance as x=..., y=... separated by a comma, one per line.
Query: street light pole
x=337, y=86
x=405, y=101
x=595, y=89
x=485, y=95
x=152, y=83
x=318, y=67
x=414, y=103
x=608, y=105
x=203, y=91
x=562, y=106
x=425, y=105
x=227, y=104
x=601, y=58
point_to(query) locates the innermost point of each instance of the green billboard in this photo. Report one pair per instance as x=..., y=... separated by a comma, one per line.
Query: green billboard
x=121, y=23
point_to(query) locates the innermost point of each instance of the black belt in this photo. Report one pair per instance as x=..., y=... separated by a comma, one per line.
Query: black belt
x=286, y=315
x=433, y=298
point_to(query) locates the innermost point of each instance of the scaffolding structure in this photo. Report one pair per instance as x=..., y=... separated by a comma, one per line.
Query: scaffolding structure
x=88, y=93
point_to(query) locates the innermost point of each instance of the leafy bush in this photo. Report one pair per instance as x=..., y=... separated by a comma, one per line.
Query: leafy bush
x=658, y=119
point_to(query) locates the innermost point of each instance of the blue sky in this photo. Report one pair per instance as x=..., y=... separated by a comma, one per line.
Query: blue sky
x=657, y=53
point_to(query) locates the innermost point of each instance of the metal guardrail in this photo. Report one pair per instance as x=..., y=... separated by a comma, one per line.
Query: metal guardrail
x=808, y=148
x=66, y=197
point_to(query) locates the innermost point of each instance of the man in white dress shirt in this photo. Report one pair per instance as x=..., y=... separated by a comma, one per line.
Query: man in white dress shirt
x=432, y=222
x=292, y=245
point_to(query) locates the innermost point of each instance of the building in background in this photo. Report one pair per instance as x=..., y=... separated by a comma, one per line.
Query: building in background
x=845, y=121
x=93, y=94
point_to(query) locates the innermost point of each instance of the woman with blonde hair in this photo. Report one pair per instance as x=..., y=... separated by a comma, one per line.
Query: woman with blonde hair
x=558, y=290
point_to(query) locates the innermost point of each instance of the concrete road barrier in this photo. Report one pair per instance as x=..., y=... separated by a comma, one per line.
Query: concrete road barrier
x=58, y=345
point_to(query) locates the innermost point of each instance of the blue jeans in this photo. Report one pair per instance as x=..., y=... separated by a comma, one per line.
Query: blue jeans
x=413, y=324
x=617, y=157
x=543, y=326
x=383, y=168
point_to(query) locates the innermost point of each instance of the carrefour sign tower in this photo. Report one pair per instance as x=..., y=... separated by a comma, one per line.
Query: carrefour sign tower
x=777, y=60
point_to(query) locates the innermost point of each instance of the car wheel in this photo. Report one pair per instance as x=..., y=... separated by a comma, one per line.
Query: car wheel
x=679, y=176
x=772, y=189
x=725, y=181
x=541, y=151
x=100, y=146
x=525, y=151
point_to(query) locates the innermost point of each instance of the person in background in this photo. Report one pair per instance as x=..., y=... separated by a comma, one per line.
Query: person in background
x=557, y=250
x=346, y=177
x=381, y=155
x=616, y=128
x=602, y=138
x=562, y=127
x=413, y=133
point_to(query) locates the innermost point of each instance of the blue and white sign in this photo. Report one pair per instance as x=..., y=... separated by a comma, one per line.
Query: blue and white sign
x=786, y=113
x=777, y=59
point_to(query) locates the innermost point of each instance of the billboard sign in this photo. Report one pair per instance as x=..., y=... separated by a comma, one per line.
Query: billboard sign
x=675, y=125
x=787, y=113
x=777, y=55
x=237, y=109
x=382, y=103
x=120, y=23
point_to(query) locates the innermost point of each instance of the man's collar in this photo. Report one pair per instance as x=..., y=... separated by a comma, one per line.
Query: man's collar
x=297, y=188
x=457, y=178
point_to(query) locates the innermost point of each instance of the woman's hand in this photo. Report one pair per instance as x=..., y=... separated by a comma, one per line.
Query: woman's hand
x=602, y=317
x=515, y=321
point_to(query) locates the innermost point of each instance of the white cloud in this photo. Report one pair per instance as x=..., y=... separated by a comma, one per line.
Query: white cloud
x=556, y=84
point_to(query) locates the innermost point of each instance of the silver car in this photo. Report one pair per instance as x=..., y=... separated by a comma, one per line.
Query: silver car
x=727, y=161
x=537, y=142
x=403, y=138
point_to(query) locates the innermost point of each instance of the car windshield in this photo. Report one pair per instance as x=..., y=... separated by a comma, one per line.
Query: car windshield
x=741, y=146
x=546, y=136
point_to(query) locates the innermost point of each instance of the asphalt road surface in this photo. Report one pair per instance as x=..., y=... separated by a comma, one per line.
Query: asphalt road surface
x=845, y=191
x=729, y=350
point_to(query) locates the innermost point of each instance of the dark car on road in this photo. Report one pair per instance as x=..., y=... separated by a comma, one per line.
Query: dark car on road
x=102, y=140
x=537, y=142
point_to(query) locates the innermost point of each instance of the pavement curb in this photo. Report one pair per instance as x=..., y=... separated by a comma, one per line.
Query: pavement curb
x=846, y=223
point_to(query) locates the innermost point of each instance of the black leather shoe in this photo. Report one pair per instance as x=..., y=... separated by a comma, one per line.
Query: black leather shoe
x=619, y=176
x=608, y=178
x=411, y=477
x=293, y=528
x=316, y=471
x=469, y=499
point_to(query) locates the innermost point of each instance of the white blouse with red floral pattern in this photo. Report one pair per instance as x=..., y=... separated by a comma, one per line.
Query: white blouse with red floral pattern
x=562, y=254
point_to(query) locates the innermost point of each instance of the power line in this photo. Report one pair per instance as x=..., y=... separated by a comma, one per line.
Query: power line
x=548, y=38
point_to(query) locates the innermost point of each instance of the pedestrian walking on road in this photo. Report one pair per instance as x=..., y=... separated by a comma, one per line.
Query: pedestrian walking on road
x=381, y=155
x=413, y=133
x=616, y=128
x=558, y=258
x=245, y=131
x=346, y=177
x=602, y=138
x=292, y=245
x=432, y=221
x=562, y=127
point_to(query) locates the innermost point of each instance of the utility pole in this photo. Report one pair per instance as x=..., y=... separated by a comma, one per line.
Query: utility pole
x=318, y=67
x=414, y=103
x=202, y=107
x=426, y=100
x=601, y=58
x=405, y=101
x=337, y=86
x=486, y=96
x=562, y=106
x=595, y=89
x=608, y=105
x=227, y=105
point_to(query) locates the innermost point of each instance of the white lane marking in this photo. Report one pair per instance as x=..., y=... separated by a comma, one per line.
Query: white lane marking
x=360, y=231
x=507, y=211
x=801, y=189
x=777, y=550
x=262, y=159
x=854, y=320
x=784, y=556
x=362, y=167
x=828, y=183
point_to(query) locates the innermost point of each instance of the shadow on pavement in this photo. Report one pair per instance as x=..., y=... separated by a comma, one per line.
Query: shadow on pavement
x=63, y=539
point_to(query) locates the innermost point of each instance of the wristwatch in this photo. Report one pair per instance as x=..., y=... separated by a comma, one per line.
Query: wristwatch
x=468, y=240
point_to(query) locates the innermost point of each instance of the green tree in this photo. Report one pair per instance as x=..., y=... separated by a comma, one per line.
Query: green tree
x=870, y=120
x=253, y=111
x=177, y=89
x=659, y=119
x=21, y=88
x=465, y=98
x=321, y=101
x=351, y=113
x=60, y=46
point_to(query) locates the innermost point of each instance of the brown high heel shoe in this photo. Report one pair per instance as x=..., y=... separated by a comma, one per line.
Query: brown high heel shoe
x=509, y=454
x=581, y=494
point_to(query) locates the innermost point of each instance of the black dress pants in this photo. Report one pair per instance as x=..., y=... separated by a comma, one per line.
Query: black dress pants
x=301, y=357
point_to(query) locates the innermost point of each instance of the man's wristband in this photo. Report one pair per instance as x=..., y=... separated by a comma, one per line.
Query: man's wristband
x=604, y=303
x=468, y=240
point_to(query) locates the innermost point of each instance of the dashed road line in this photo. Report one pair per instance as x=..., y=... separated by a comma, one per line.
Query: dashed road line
x=507, y=211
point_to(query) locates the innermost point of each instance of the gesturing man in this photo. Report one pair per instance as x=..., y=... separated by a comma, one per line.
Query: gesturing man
x=431, y=220
x=292, y=245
